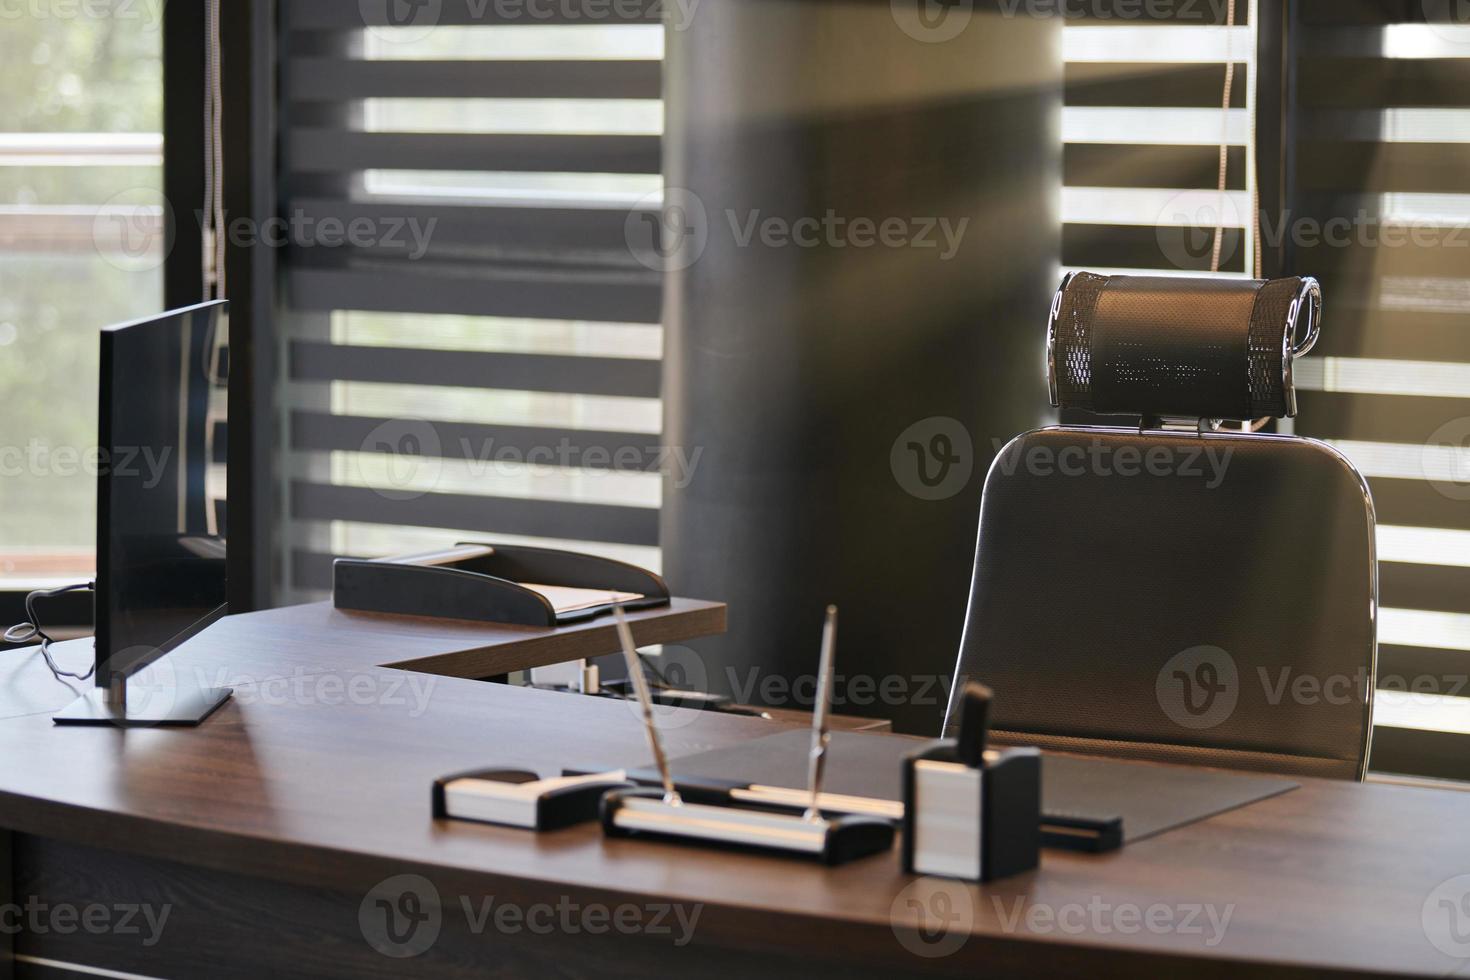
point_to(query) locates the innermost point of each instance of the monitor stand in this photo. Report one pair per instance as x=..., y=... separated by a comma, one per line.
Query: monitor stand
x=173, y=706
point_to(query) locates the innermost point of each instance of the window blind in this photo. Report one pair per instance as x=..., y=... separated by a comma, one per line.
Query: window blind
x=1142, y=126
x=481, y=359
x=1383, y=219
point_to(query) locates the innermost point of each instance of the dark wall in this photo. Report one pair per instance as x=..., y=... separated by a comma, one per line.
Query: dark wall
x=816, y=367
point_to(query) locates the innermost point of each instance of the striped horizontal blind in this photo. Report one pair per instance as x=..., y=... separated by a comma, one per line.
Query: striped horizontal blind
x=473, y=348
x=1142, y=126
x=1382, y=217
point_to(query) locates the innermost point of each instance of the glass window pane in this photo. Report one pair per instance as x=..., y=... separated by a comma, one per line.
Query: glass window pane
x=81, y=246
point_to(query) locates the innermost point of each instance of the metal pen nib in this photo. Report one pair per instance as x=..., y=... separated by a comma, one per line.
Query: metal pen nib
x=645, y=699
x=820, y=734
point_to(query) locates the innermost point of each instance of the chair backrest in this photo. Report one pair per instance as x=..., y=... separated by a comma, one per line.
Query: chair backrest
x=1177, y=594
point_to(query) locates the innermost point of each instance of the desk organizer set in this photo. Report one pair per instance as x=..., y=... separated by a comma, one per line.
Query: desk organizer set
x=974, y=814
x=967, y=813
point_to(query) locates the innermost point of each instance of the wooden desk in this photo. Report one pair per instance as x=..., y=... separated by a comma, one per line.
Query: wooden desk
x=265, y=832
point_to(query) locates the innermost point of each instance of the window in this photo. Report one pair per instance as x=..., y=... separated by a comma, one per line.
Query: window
x=1382, y=217
x=484, y=359
x=1142, y=128
x=81, y=243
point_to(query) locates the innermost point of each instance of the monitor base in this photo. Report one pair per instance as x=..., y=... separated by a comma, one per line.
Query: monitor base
x=173, y=708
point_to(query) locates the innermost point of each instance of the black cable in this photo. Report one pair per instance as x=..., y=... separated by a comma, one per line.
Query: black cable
x=31, y=630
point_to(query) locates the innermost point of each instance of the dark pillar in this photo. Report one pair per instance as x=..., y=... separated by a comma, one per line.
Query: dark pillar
x=866, y=215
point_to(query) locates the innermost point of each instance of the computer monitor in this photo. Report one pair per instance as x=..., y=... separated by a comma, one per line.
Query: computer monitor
x=161, y=514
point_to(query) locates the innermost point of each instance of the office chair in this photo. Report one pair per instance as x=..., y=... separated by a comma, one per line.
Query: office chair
x=1163, y=589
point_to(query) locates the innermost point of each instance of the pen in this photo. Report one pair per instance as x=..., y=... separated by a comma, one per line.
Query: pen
x=640, y=685
x=820, y=735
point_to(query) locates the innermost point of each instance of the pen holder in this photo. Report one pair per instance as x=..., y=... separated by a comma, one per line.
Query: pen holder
x=640, y=812
x=975, y=823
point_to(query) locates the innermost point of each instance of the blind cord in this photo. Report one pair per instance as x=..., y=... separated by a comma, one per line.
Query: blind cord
x=214, y=164
x=1253, y=164
x=1223, y=183
x=206, y=214
x=32, y=629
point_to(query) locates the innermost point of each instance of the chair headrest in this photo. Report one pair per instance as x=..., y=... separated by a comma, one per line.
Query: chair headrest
x=1180, y=347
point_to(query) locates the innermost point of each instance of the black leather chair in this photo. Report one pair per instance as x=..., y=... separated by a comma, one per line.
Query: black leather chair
x=1164, y=589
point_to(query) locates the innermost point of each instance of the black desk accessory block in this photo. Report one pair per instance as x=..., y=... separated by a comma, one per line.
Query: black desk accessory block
x=520, y=798
x=661, y=813
x=1081, y=832
x=971, y=813
x=484, y=582
x=979, y=823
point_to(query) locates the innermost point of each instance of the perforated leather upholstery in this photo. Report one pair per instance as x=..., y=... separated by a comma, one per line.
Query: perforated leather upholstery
x=1146, y=345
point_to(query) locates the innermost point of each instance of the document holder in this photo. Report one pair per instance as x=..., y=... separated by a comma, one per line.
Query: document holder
x=488, y=583
x=977, y=823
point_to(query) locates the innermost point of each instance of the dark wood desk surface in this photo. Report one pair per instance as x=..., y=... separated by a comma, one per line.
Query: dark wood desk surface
x=265, y=829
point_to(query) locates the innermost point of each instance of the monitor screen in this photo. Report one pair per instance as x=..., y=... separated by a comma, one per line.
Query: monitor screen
x=161, y=485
